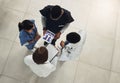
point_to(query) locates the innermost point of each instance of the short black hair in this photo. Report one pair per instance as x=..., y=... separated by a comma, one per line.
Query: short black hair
x=73, y=37
x=26, y=25
x=40, y=55
x=56, y=11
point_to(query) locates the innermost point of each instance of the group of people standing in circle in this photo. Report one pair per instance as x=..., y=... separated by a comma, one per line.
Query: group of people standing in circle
x=55, y=21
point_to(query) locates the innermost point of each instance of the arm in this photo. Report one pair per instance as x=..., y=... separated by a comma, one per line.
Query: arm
x=68, y=20
x=37, y=37
x=43, y=20
x=62, y=44
x=65, y=27
x=24, y=39
x=27, y=60
x=29, y=42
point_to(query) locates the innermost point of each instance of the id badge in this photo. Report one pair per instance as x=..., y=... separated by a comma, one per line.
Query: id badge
x=49, y=36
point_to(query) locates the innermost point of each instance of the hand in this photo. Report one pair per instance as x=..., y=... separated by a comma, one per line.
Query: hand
x=31, y=41
x=37, y=37
x=57, y=35
x=44, y=31
x=62, y=44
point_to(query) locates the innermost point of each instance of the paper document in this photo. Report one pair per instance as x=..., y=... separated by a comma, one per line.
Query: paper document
x=49, y=36
x=52, y=51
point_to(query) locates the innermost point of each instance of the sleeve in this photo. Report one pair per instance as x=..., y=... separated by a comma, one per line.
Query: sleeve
x=23, y=39
x=27, y=60
x=65, y=27
x=45, y=11
x=64, y=54
x=43, y=20
x=32, y=20
x=69, y=48
x=69, y=18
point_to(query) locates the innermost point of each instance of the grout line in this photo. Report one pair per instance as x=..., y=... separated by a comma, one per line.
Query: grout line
x=99, y=67
x=114, y=43
x=89, y=12
x=94, y=65
x=100, y=35
x=6, y=39
x=76, y=71
x=8, y=53
x=12, y=78
x=27, y=9
x=7, y=58
x=14, y=9
x=13, y=41
x=104, y=36
x=23, y=18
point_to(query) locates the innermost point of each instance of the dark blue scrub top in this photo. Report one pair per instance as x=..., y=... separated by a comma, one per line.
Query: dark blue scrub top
x=56, y=25
x=25, y=37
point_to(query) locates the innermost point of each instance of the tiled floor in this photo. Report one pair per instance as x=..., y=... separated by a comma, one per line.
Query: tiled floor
x=99, y=61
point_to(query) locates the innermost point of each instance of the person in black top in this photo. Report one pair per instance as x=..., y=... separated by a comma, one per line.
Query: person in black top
x=55, y=19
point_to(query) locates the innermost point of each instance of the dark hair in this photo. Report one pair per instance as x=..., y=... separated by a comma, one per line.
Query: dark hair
x=26, y=25
x=73, y=37
x=56, y=11
x=40, y=55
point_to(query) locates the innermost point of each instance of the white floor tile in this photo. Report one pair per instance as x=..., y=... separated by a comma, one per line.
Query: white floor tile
x=36, y=5
x=79, y=10
x=103, y=17
x=5, y=47
x=64, y=74
x=89, y=74
x=67, y=72
x=9, y=23
x=97, y=51
x=15, y=66
x=115, y=77
x=116, y=57
x=118, y=26
x=0, y=2
x=20, y=5
x=5, y=79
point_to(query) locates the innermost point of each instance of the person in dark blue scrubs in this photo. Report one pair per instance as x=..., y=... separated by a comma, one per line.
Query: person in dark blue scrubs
x=28, y=33
x=55, y=19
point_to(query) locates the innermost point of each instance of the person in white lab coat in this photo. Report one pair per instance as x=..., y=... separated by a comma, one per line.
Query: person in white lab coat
x=39, y=64
x=71, y=48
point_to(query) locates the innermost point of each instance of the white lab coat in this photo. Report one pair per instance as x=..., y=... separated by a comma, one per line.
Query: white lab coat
x=72, y=51
x=42, y=70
